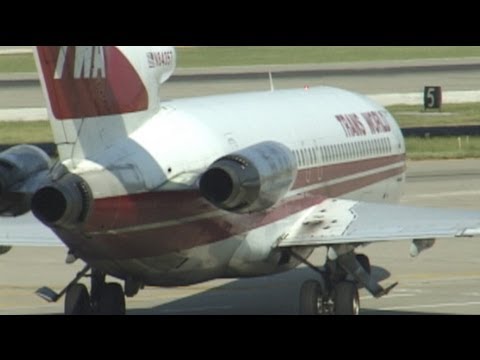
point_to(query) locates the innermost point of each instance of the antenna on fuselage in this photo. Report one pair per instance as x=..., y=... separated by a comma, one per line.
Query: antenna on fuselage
x=272, y=88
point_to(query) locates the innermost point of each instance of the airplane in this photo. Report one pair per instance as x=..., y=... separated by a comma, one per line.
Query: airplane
x=159, y=192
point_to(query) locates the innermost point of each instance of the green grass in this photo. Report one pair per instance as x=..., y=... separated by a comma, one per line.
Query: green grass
x=250, y=55
x=17, y=63
x=443, y=148
x=25, y=132
x=255, y=55
x=451, y=114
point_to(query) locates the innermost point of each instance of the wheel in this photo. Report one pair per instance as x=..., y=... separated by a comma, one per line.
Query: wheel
x=112, y=300
x=365, y=262
x=310, y=298
x=346, y=299
x=77, y=300
x=131, y=287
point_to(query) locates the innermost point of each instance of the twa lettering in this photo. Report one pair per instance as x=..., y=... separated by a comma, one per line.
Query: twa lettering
x=88, y=62
x=376, y=121
x=351, y=125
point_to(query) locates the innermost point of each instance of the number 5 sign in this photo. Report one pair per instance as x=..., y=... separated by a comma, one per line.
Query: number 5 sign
x=432, y=97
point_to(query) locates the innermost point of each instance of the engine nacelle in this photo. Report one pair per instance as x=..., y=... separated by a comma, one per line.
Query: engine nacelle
x=64, y=203
x=20, y=167
x=250, y=180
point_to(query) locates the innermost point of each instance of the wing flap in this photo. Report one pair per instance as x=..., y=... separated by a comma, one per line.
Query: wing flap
x=348, y=222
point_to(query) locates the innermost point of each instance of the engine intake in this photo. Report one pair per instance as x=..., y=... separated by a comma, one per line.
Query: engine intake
x=250, y=180
x=64, y=203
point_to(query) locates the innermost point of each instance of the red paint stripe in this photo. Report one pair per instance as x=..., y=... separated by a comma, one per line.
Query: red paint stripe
x=306, y=177
x=155, y=242
x=146, y=208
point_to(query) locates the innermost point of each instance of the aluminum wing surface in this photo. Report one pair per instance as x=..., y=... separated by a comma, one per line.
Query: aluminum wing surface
x=25, y=230
x=336, y=221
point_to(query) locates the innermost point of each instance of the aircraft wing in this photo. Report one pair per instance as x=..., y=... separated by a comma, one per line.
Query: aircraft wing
x=337, y=221
x=25, y=230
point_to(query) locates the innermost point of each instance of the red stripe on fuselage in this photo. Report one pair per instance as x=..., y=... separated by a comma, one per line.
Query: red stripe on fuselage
x=306, y=177
x=146, y=208
x=157, y=240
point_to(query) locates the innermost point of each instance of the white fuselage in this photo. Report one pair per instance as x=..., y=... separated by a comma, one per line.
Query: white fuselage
x=149, y=221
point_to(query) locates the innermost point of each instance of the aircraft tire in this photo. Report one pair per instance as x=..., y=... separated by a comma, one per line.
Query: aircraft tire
x=77, y=300
x=310, y=293
x=112, y=300
x=346, y=299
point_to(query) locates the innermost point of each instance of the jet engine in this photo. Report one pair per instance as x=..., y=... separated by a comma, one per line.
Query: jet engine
x=22, y=169
x=64, y=203
x=250, y=180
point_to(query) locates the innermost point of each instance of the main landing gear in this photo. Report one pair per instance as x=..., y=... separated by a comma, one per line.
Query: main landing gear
x=104, y=299
x=336, y=290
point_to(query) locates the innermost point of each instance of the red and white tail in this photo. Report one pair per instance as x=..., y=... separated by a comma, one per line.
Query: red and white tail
x=96, y=94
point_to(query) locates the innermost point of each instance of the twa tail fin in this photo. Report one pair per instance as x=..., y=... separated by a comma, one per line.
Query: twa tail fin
x=96, y=94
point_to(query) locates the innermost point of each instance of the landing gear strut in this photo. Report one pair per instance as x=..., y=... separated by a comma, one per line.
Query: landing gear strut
x=336, y=290
x=105, y=298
